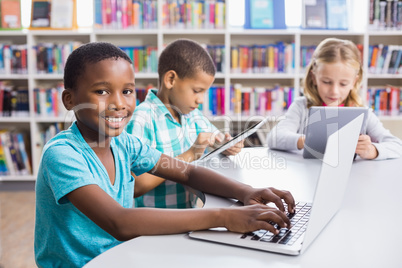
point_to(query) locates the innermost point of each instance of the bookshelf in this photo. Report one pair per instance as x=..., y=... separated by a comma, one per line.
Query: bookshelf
x=33, y=124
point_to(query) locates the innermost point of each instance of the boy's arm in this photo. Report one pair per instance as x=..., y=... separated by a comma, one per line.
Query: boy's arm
x=208, y=181
x=126, y=223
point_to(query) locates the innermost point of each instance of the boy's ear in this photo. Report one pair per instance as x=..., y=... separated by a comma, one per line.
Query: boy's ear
x=169, y=78
x=67, y=98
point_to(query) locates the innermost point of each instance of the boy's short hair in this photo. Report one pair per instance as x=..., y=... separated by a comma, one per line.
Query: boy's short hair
x=186, y=58
x=87, y=54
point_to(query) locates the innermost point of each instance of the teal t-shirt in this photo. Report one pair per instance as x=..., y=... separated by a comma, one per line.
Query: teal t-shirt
x=65, y=237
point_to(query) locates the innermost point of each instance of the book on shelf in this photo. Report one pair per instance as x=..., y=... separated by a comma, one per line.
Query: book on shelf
x=62, y=14
x=125, y=14
x=265, y=14
x=14, y=101
x=40, y=14
x=215, y=101
x=145, y=58
x=51, y=57
x=16, y=155
x=385, y=15
x=269, y=58
x=337, y=14
x=263, y=101
x=13, y=59
x=198, y=14
x=314, y=14
x=141, y=92
x=10, y=14
x=217, y=53
x=385, y=101
x=53, y=15
x=48, y=101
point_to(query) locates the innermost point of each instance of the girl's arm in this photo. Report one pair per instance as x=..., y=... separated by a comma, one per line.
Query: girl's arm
x=286, y=135
x=386, y=144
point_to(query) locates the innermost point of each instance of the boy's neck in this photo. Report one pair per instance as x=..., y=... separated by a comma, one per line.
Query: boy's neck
x=94, y=140
x=162, y=94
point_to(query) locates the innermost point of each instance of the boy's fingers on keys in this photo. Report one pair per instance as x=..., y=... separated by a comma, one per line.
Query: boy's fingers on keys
x=287, y=196
x=274, y=216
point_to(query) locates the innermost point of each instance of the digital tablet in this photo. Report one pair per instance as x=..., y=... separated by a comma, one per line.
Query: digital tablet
x=323, y=121
x=239, y=137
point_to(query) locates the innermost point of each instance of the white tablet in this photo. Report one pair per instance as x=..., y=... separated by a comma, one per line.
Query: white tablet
x=323, y=121
x=239, y=137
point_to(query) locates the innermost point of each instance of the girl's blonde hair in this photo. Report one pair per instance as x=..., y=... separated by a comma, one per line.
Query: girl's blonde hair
x=332, y=50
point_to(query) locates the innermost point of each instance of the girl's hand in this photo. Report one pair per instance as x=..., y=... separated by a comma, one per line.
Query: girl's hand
x=255, y=217
x=300, y=142
x=365, y=149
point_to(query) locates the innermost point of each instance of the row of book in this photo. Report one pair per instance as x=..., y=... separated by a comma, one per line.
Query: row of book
x=141, y=92
x=247, y=101
x=306, y=53
x=48, y=102
x=325, y=14
x=271, y=58
x=48, y=132
x=125, y=14
x=14, y=101
x=51, y=57
x=264, y=101
x=385, y=59
x=217, y=53
x=193, y=14
x=385, y=100
x=14, y=156
x=385, y=15
x=145, y=58
x=13, y=59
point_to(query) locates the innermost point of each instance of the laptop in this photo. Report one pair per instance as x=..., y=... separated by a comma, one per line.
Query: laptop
x=239, y=137
x=310, y=218
x=324, y=121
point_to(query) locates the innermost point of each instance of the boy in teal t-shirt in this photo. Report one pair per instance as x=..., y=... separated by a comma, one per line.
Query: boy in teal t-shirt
x=84, y=188
x=169, y=121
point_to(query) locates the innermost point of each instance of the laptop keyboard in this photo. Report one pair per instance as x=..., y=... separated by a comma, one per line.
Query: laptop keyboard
x=298, y=221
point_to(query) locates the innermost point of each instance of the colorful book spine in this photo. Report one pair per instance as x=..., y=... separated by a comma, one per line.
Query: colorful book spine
x=385, y=101
x=263, y=101
x=48, y=102
x=270, y=58
x=125, y=14
x=197, y=14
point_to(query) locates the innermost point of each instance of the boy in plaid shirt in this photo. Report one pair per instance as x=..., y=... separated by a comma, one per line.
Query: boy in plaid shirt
x=169, y=121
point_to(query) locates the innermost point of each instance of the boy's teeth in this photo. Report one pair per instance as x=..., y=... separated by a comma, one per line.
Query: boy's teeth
x=114, y=119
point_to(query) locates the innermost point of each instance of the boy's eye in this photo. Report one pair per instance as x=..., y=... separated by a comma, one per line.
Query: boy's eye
x=128, y=91
x=101, y=92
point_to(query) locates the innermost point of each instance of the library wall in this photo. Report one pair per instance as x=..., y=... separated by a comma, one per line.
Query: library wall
x=259, y=70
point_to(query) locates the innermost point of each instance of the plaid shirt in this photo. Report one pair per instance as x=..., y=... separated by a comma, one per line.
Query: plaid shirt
x=154, y=125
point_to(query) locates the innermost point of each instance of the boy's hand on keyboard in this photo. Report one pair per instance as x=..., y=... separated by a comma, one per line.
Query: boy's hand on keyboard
x=254, y=217
x=266, y=195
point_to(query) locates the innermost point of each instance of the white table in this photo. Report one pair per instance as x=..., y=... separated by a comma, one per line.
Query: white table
x=366, y=232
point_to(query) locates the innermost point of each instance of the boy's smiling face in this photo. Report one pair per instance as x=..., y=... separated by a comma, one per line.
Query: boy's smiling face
x=104, y=99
